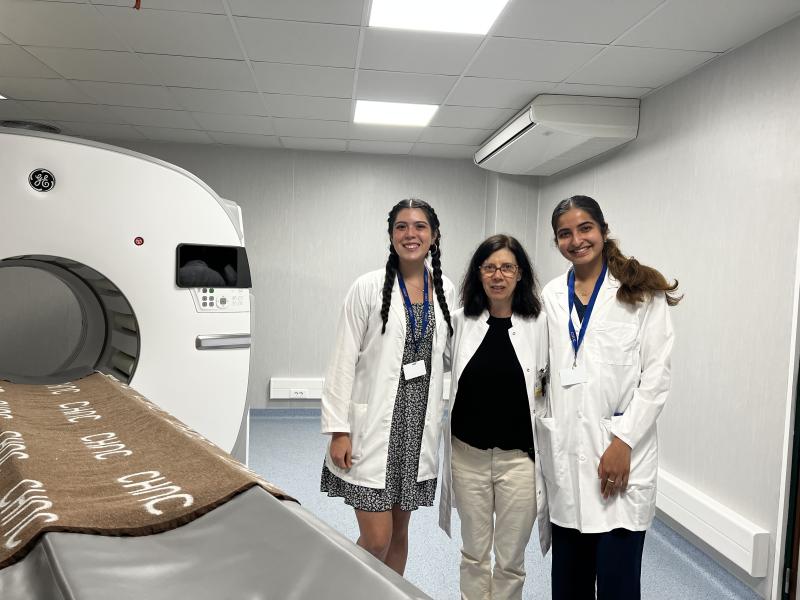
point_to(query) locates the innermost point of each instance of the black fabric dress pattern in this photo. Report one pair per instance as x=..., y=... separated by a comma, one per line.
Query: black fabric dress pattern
x=405, y=438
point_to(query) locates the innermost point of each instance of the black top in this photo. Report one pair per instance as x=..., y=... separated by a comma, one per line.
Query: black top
x=580, y=307
x=491, y=407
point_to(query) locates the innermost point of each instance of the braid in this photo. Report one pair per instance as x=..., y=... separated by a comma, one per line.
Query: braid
x=437, y=284
x=388, y=283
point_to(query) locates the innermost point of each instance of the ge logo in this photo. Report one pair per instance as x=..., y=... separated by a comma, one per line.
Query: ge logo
x=42, y=180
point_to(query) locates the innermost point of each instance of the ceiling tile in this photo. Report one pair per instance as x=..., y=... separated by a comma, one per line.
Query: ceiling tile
x=25, y=88
x=471, y=117
x=68, y=111
x=309, y=128
x=78, y=25
x=184, y=136
x=95, y=65
x=314, y=144
x=100, y=131
x=571, y=20
x=344, y=12
x=309, y=107
x=245, y=139
x=14, y=111
x=16, y=62
x=389, y=133
x=182, y=33
x=4, y=40
x=497, y=93
x=452, y=135
x=417, y=51
x=379, y=147
x=207, y=73
x=639, y=67
x=288, y=42
x=685, y=24
x=403, y=87
x=609, y=91
x=532, y=60
x=202, y=6
x=155, y=117
x=444, y=150
x=128, y=94
x=304, y=80
x=219, y=101
x=235, y=123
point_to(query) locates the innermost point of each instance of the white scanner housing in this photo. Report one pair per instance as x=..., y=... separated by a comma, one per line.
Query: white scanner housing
x=110, y=228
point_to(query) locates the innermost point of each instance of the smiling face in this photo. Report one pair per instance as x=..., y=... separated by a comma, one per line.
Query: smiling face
x=580, y=238
x=412, y=235
x=498, y=286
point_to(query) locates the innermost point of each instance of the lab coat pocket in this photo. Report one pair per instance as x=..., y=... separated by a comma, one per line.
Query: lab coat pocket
x=644, y=457
x=612, y=343
x=548, y=449
x=640, y=502
x=358, y=427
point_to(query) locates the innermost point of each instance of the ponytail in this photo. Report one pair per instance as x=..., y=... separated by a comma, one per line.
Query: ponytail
x=638, y=282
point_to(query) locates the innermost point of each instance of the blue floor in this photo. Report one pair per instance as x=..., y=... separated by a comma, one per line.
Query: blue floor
x=288, y=451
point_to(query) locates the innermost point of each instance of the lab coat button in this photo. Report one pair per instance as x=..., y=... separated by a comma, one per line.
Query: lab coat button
x=580, y=415
x=582, y=458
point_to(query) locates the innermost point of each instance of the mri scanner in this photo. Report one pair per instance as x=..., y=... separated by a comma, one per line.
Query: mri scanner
x=116, y=262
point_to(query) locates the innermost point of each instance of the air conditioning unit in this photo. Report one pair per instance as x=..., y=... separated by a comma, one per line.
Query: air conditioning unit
x=555, y=132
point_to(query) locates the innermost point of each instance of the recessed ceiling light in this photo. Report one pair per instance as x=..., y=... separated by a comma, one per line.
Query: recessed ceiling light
x=394, y=113
x=453, y=16
x=3, y=97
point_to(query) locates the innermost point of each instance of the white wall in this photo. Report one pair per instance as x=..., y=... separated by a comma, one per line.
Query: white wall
x=710, y=193
x=314, y=221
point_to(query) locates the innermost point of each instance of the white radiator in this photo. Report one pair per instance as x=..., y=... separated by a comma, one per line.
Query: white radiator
x=744, y=543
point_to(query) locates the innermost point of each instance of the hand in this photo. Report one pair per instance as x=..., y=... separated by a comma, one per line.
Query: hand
x=341, y=450
x=614, y=468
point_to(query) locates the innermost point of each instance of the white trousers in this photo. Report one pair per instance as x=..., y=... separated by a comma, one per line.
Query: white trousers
x=495, y=493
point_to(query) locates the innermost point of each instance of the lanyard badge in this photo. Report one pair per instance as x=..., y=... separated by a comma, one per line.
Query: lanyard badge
x=577, y=340
x=577, y=374
x=425, y=309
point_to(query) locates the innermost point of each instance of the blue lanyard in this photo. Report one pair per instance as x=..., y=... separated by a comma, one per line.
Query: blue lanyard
x=410, y=310
x=578, y=339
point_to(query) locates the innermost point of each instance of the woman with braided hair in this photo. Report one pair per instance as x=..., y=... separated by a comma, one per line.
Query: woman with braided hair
x=382, y=398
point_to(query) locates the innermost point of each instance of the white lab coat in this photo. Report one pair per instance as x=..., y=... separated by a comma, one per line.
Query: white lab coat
x=529, y=339
x=363, y=375
x=626, y=353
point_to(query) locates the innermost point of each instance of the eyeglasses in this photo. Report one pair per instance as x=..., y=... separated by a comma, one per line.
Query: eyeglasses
x=507, y=269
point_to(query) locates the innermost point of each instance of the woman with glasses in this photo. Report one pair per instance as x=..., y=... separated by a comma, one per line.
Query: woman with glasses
x=382, y=397
x=610, y=345
x=498, y=366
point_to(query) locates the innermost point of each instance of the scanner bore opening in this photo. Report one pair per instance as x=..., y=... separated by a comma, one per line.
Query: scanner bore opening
x=61, y=320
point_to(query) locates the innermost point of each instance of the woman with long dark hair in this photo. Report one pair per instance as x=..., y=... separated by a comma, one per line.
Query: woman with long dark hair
x=610, y=343
x=382, y=397
x=498, y=370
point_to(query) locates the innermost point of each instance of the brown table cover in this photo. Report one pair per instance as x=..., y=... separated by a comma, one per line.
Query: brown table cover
x=93, y=456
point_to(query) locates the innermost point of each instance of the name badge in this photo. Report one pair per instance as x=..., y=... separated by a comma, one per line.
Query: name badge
x=572, y=375
x=414, y=370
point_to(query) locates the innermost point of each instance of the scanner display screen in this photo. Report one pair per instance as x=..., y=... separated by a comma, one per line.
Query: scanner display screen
x=212, y=266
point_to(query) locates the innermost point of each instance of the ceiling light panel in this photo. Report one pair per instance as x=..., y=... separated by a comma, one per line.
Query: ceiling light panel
x=394, y=113
x=452, y=16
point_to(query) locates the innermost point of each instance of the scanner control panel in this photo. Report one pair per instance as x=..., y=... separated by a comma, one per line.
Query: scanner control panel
x=209, y=299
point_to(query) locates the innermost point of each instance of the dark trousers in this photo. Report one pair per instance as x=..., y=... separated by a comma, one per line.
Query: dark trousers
x=613, y=559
